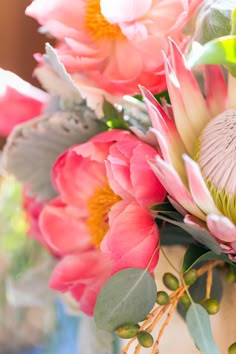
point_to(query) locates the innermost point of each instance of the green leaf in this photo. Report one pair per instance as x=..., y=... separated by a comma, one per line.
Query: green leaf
x=196, y=254
x=113, y=118
x=220, y=51
x=127, y=297
x=233, y=23
x=214, y=20
x=199, y=235
x=198, y=324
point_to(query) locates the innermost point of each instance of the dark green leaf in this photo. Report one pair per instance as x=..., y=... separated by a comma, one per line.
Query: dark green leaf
x=196, y=254
x=199, y=235
x=198, y=324
x=173, y=235
x=198, y=290
x=127, y=297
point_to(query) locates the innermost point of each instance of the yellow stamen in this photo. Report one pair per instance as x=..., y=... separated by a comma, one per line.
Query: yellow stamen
x=99, y=205
x=97, y=25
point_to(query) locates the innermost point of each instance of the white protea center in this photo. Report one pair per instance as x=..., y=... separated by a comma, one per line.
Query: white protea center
x=216, y=156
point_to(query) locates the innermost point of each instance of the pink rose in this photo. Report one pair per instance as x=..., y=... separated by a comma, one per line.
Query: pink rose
x=19, y=101
x=101, y=222
x=119, y=43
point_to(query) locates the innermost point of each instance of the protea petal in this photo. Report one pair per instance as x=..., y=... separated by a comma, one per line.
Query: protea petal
x=215, y=89
x=231, y=92
x=182, y=121
x=221, y=227
x=174, y=186
x=194, y=103
x=198, y=188
x=163, y=124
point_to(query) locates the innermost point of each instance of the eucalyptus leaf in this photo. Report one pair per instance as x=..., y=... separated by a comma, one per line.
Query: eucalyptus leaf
x=127, y=297
x=220, y=51
x=33, y=147
x=200, y=235
x=198, y=324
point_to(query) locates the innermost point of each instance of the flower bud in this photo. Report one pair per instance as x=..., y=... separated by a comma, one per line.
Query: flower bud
x=127, y=331
x=145, y=339
x=185, y=301
x=162, y=298
x=211, y=305
x=190, y=277
x=170, y=281
x=232, y=349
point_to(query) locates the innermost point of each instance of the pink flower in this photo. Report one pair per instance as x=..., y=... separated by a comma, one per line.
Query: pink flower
x=100, y=223
x=197, y=164
x=19, y=101
x=118, y=44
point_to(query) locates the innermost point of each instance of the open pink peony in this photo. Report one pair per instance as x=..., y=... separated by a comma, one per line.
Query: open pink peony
x=19, y=101
x=100, y=223
x=116, y=43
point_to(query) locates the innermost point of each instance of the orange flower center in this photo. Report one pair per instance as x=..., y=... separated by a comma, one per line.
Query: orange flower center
x=96, y=24
x=99, y=205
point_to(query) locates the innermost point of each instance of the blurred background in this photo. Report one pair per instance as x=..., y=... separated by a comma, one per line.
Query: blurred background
x=19, y=38
x=32, y=319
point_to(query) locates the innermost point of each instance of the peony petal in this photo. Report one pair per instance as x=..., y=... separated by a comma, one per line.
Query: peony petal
x=151, y=191
x=198, y=188
x=124, y=10
x=61, y=230
x=221, y=227
x=231, y=92
x=132, y=239
x=174, y=186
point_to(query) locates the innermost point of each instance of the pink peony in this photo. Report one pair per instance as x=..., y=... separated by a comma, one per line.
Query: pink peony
x=118, y=44
x=100, y=223
x=19, y=101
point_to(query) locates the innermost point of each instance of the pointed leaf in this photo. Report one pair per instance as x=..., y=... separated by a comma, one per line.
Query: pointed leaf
x=127, y=297
x=198, y=324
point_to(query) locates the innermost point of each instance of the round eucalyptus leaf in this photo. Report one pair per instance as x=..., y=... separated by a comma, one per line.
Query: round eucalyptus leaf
x=127, y=297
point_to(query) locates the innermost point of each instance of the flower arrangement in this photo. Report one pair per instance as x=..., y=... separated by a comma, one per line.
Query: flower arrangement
x=127, y=153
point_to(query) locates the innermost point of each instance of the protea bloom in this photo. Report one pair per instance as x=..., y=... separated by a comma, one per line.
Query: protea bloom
x=198, y=146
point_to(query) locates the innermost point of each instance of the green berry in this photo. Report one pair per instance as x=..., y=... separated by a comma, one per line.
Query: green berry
x=190, y=277
x=170, y=281
x=185, y=301
x=162, y=298
x=231, y=277
x=232, y=349
x=145, y=339
x=211, y=305
x=127, y=331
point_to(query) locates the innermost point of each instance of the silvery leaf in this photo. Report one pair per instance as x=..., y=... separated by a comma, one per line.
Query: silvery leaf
x=52, y=59
x=33, y=147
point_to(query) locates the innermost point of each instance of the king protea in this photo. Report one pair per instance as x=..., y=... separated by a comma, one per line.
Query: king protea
x=197, y=140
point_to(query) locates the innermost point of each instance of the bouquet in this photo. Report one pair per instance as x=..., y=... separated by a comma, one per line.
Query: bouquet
x=126, y=156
